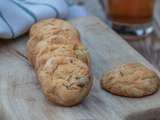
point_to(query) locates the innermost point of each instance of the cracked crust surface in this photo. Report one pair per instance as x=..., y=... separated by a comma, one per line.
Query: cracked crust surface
x=44, y=50
x=44, y=28
x=131, y=80
x=58, y=31
x=69, y=80
x=61, y=61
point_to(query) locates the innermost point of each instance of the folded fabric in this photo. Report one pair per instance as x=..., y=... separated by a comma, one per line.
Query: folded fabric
x=17, y=16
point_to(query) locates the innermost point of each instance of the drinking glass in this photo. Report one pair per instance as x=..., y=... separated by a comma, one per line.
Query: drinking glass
x=131, y=18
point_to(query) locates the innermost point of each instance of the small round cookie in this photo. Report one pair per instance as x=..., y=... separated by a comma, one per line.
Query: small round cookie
x=131, y=80
x=65, y=80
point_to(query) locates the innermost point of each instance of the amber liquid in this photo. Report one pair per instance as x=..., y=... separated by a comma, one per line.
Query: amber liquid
x=130, y=11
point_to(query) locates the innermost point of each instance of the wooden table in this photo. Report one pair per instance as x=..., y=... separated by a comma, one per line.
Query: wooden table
x=21, y=97
x=148, y=47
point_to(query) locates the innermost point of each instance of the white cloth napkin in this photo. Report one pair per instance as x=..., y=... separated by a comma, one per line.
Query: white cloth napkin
x=17, y=16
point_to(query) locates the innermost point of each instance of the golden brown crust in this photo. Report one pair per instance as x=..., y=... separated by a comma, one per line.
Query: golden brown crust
x=68, y=78
x=46, y=50
x=45, y=26
x=53, y=51
x=54, y=29
x=131, y=80
x=61, y=61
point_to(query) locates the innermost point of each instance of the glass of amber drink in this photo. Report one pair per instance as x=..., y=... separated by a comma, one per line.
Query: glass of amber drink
x=130, y=18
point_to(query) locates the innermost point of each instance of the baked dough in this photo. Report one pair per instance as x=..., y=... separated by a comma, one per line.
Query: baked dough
x=44, y=50
x=61, y=61
x=65, y=80
x=48, y=27
x=131, y=80
x=53, y=29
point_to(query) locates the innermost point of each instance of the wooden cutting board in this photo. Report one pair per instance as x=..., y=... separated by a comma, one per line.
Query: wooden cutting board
x=21, y=97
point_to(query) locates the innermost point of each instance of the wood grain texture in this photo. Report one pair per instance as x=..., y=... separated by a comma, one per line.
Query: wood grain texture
x=21, y=97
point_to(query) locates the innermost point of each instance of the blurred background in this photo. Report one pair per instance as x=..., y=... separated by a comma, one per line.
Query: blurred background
x=148, y=46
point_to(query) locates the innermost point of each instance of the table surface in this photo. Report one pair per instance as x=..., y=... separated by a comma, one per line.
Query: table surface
x=20, y=91
x=148, y=47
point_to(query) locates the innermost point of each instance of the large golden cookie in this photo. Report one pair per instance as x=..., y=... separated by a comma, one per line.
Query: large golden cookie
x=131, y=80
x=65, y=80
